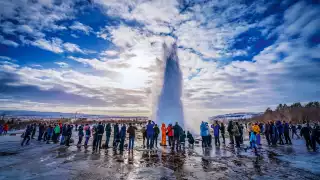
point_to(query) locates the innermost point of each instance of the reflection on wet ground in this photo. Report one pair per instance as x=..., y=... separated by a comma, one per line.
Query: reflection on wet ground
x=42, y=161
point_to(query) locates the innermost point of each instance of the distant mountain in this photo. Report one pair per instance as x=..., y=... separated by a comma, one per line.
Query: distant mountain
x=38, y=114
x=233, y=116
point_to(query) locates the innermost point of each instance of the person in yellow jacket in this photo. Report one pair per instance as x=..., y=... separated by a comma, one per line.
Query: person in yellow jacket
x=256, y=128
x=164, y=135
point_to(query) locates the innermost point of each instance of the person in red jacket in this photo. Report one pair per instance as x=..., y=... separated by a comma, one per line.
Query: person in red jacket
x=170, y=134
x=5, y=129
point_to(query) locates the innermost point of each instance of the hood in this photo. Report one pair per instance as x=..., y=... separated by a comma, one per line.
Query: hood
x=163, y=125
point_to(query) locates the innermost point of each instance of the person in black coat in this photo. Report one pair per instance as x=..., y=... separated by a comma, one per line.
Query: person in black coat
x=100, y=131
x=222, y=131
x=68, y=135
x=315, y=137
x=267, y=132
x=41, y=131
x=230, y=127
x=305, y=133
x=26, y=135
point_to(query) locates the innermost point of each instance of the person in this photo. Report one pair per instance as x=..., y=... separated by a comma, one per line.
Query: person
x=5, y=128
x=305, y=133
x=236, y=133
x=132, y=133
x=68, y=135
x=280, y=131
x=267, y=133
x=182, y=140
x=274, y=134
x=315, y=137
x=56, y=133
x=144, y=136
x=41, y=131
x=204, y=134
x=100, y=131
x=76, y=127
x=88, y=134
x=170, y=134
x=208, y=137
x=115, y=135
x=1, y=129
x=80, y=134
x=256, y=129
x=64, y=134
x=253, y=140
x=156, y=134
x=34, y=129
x=294, y=131
x=163, y=137
x=94, y=132
x=177, y=130
x=26, y=135
x=241, y=132
x=230, y=127
x=286, y=132
x=49, y=133
x=216, y=128
x=123, y=132
x=222, y=130
x=190, y=139
x=108, y=134
x=150, y=134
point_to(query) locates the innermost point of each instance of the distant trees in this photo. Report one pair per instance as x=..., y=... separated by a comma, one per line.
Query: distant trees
x=295, y=112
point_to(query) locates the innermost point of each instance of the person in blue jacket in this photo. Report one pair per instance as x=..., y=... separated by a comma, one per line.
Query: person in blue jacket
x=150, y=134
x=274, y=134
x=123, y=132
x=216, y=129
x=204, y=134
x=280, y=131
x=49, y=133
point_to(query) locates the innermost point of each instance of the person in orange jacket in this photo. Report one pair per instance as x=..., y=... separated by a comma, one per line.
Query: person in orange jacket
x=164, y=135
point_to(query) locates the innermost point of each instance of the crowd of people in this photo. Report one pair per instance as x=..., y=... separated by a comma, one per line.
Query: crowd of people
x=275, y=133
x=150, y=133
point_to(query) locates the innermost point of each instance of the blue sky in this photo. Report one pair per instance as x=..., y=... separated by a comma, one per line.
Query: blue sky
x=106, y=56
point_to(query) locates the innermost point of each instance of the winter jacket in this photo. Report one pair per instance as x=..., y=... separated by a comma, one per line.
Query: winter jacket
x=204, y=129
x=28, y=131
x=100, y=129
x=256, y=129
x=115, y=130
x=156, y=131
x=49, y=131
x=123, y=132
x=163, y=129
x=183, y=137
x=87, y=131
x=80, y=129
x=144, y=131
x=108, y=129
x=6, y=127
x=253, y=137
x=69, y=130
x=216, y=129
x=222, y=129
x=170, y=131
x=286, y=128
x=64, y=130
x=132, y=131
x=177, y=130
x=294, y=128
x=305, y=131
x=190, y=138
x=280, y=127
x=150, y=130
x=235, y=130
x=230, y=127
x=267, y=129
x=274, y=130
x=57, y=129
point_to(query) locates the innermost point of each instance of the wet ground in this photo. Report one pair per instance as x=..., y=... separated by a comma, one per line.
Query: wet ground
x=51, y=161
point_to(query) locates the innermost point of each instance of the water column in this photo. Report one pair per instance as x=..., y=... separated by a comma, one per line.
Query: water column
x=169, y=107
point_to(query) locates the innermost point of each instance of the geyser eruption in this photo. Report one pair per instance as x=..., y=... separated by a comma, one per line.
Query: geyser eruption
x=169, y=107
